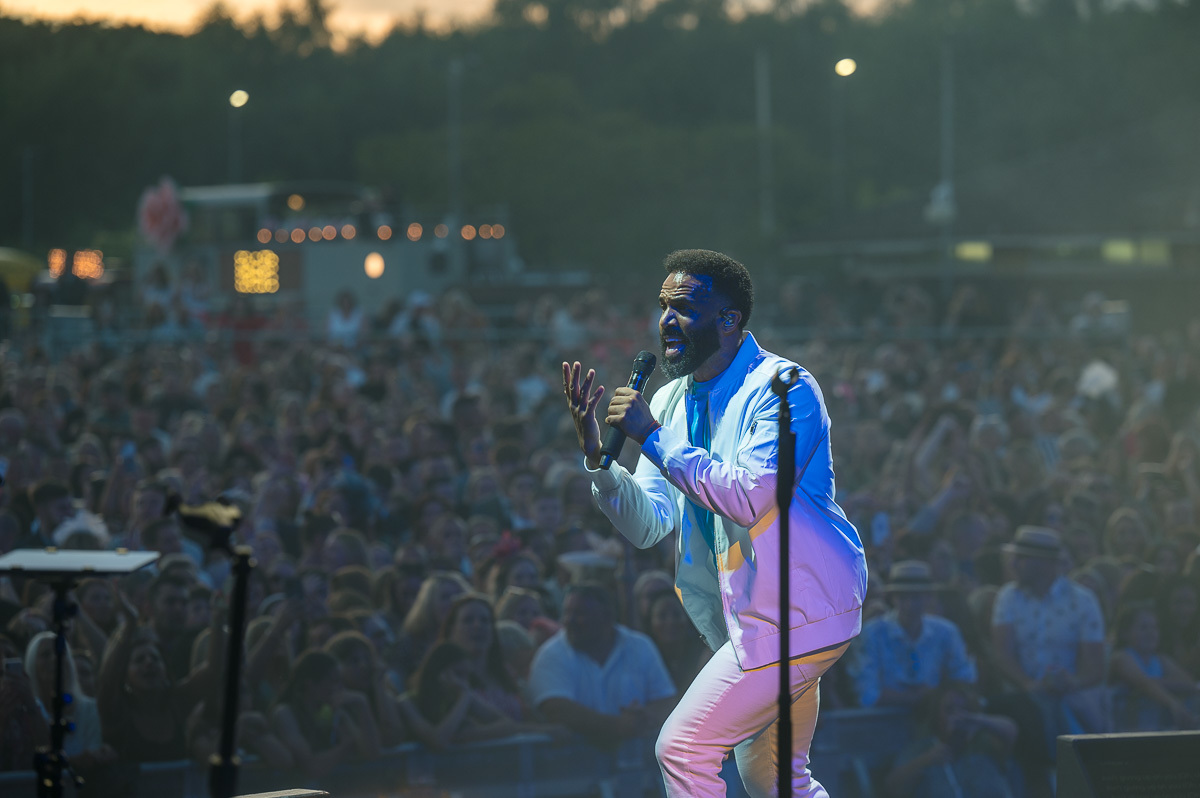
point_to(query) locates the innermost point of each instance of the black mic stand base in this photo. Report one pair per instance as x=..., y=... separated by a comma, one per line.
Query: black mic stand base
x=223, y=776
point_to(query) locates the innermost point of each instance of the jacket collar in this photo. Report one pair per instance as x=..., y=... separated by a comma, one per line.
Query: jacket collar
x=728, y=381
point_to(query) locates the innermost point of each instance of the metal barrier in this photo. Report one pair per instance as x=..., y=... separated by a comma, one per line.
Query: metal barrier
x=851, y=746
x=848, y=748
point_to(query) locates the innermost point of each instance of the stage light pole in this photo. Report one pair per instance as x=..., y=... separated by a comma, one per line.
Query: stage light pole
x=766, y=190
x=237, y=101
x=454, y=76
x=842, y=69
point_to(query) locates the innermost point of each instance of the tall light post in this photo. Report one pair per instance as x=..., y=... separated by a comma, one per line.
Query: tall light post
x=237, y=101
x=766, y=193
x=27, y=199
x=943, y=208
x=842, y=69
x=454, y=161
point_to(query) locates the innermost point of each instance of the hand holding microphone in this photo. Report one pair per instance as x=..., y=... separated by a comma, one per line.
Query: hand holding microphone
x=628, y=411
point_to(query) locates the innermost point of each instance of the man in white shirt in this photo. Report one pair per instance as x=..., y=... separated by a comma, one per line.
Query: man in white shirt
x=709, y=441
x=598, y=678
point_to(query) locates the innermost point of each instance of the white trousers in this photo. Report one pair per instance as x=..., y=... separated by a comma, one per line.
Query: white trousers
x=727, y=709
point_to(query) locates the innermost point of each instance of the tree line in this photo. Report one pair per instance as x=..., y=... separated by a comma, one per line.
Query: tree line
x=613, y=130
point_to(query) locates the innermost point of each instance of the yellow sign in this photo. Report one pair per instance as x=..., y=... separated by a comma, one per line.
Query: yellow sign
x=88, y=264
x=255, y=272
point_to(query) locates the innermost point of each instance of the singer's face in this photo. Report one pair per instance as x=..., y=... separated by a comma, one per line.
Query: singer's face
x=687, y=328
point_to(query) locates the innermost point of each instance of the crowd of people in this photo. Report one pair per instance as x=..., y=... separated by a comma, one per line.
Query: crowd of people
x=431, y=566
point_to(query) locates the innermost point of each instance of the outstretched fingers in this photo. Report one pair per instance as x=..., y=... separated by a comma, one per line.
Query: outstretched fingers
x=571, y=381
x=594, y=400
x=578, y=387
x=585, y=388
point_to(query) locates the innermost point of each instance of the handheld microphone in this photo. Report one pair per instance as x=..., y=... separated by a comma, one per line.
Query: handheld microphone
x=643, y=367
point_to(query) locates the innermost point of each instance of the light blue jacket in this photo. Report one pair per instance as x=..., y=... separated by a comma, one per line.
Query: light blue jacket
x=731, y=589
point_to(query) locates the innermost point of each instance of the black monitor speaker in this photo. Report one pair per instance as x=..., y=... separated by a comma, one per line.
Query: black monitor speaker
x=1149, y=765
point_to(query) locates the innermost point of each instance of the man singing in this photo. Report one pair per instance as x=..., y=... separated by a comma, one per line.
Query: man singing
x=709, y=441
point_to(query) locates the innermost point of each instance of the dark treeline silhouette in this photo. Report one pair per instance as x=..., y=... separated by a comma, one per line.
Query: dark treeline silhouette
x=610, y=133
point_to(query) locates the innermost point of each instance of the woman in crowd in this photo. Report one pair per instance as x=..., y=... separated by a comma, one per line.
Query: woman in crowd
x=322, y=724
x=471, y=625
x=673, y=634
x=23, y=727
x=1126, y=536
x=1178, y=605
x=648, y=585
x=443, y=708
x=520, y=605
x=84, y=745
x=521, y=569
x=959, y=751
x=424, y=620
x=359, y=665
x=394, y=590
x=1151, y=690
x=97, y=616
x=143, y=713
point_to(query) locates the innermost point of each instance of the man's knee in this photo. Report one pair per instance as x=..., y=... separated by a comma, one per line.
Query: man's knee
x=667, y=746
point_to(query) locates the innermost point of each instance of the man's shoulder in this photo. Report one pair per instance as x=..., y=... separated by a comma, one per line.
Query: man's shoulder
x=877, y=626
x=941, y=626
x=554, y=649
x=1008, y=592
x=634, y=640
x=1009, y=602
x=1071, y=590
x=766, y=365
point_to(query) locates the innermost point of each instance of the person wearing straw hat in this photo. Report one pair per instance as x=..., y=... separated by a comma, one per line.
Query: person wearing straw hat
x=907, y=653
x=1048, y=634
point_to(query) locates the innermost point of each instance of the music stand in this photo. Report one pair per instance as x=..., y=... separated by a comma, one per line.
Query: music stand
x=62, y=570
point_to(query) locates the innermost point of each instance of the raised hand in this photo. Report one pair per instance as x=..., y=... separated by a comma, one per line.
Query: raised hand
x=582, y=400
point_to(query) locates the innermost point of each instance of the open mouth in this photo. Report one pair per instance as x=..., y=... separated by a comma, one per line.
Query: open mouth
x=673, y=345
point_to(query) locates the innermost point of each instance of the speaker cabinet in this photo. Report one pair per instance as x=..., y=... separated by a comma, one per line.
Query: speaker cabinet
x=1149, y=765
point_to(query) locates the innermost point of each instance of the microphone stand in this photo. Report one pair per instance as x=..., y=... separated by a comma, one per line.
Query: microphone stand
x=51, y=763
x=217, y=522
x=786, y=476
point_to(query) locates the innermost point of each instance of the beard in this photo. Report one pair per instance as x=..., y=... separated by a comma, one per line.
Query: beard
x=696, y=349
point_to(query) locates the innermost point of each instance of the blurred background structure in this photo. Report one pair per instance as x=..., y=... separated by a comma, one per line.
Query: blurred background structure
x=988, y=136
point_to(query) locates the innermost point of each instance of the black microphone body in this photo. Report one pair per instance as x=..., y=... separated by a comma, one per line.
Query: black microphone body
x=643, y=367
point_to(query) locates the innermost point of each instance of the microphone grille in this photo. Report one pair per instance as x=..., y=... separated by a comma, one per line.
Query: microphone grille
x=645, y=361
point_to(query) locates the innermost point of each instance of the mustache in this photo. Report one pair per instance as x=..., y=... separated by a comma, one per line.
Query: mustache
x=675, y=333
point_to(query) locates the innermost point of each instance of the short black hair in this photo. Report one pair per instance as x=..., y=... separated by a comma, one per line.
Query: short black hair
x=593, y=591
x=729, y=278
x=165, y=580
x=48, y=491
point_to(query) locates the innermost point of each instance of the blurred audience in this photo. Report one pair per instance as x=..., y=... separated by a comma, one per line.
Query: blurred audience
x=426, y=538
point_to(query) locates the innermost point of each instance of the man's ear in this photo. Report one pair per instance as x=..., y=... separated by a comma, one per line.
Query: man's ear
x=730, y=318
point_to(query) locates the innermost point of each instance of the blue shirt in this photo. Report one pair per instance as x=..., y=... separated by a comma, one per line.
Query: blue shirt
x=888, y=659
x=1048, y=630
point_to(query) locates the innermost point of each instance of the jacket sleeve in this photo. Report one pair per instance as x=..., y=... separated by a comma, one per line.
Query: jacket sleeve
x=640, y=505
x=742, y=490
